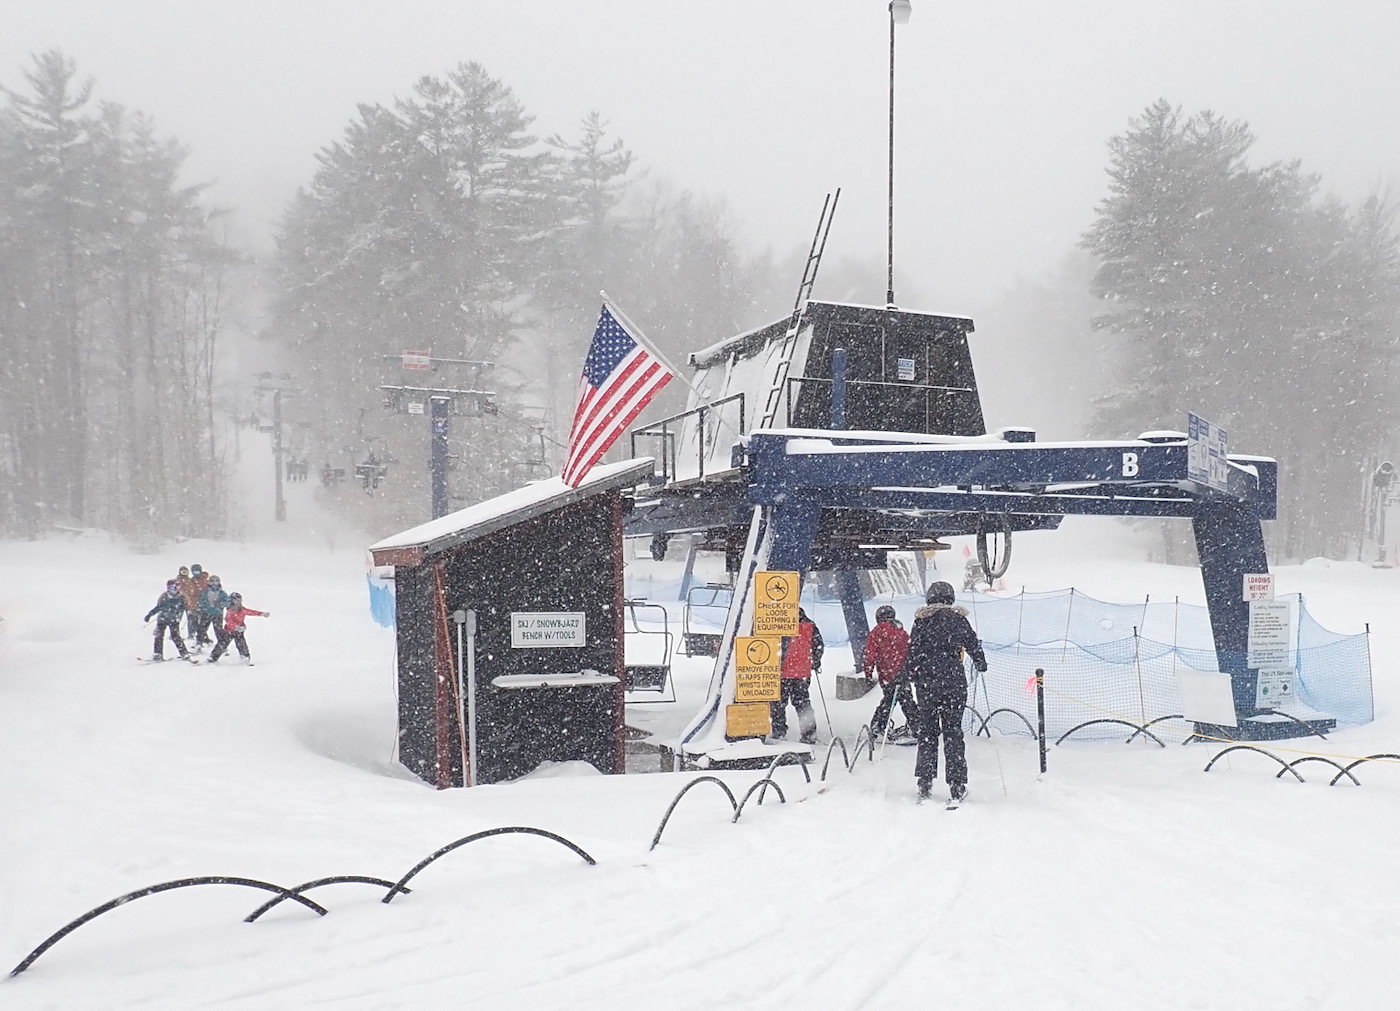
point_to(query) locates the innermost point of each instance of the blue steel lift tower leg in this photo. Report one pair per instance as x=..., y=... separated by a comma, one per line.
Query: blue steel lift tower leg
x=794, y=525
x=853, y=608
x=1230, y=543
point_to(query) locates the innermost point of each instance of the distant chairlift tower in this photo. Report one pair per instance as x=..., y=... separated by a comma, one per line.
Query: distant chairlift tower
x=439, y=403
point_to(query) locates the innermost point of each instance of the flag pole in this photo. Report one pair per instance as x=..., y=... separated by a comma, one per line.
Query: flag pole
x=636, y=332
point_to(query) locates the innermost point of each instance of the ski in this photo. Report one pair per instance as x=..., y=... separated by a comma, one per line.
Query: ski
x=146, y=661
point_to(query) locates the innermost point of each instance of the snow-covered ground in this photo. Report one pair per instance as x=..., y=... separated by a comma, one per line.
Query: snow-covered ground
x=1124, y=877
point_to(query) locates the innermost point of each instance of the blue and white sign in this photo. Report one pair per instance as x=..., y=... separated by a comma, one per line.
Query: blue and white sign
x=1207, y=447
x=906, y=370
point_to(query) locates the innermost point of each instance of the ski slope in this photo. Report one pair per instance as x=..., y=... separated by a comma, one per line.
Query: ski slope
x=1124, y=877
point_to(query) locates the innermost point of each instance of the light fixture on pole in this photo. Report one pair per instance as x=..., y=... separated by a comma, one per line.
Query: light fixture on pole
x=899, y=15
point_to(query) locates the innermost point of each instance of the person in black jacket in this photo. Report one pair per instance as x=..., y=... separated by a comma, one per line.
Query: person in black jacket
x=940, y=635
x=169, y=609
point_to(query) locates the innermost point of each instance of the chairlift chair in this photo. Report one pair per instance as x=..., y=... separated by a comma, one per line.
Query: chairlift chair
x=651, y=677
x=706, y=595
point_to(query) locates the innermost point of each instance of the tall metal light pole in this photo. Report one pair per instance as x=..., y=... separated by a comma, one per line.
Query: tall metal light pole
x=899, y=15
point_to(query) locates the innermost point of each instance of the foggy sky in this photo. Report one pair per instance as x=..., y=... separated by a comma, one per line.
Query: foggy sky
x=1003, y=107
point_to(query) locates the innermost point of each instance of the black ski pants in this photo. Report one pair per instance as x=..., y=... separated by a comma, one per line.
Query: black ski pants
x=171, y=625
x=941, y=715
x=901, y=693
x=199, y=626
x=798, y=692
x=229, y=637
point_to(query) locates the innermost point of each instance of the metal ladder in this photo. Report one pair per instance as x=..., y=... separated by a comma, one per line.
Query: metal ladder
x=804, y=292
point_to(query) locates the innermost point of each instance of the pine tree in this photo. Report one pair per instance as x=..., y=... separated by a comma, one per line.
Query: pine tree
x=1242, y=295
x=109, y=300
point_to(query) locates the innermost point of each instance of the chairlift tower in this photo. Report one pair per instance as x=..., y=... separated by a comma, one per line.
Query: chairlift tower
x=439, y=404
x=274, y=383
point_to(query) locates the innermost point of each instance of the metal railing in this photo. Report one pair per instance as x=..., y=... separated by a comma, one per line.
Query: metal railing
x=792, y=381
x=668, y=429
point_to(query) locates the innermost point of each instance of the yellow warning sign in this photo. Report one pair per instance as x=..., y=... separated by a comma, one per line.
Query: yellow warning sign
x=775, y=596
x=758, y=669
x=747, y=719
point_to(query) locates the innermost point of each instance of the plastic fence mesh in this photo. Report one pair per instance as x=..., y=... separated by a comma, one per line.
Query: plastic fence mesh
x=1106, y=661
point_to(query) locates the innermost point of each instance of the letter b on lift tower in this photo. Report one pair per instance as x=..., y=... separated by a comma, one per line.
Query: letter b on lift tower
x=1130, y=465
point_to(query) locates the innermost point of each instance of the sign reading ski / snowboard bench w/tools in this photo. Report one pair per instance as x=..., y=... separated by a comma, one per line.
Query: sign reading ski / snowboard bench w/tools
x=547, y=629
x=758, y=669
x=775, y=596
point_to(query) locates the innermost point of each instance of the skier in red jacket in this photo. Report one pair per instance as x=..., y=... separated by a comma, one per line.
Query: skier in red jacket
x=885, y=649
x=232, y=632
x=802, y=654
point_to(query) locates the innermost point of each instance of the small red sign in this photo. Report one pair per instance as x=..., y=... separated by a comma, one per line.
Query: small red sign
x=418, y=361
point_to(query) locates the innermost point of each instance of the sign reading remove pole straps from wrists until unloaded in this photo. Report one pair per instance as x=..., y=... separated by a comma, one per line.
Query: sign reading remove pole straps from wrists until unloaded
x=758, y=669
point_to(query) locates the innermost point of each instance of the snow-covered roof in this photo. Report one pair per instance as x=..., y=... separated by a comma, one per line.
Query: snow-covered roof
x=417, y=543
x=718, y=352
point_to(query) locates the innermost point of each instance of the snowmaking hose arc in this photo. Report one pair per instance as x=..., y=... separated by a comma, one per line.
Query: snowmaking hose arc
x=507, y=830
x=164, y=886
x=1138, y=728
x=1342, y=770
x=737, y=807
x=282, y=894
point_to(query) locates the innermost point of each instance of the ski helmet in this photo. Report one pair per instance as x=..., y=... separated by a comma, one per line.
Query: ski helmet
x=941, y=593
x=171, y=584
x=884, y=613
x=196, y=569
x=184, y=571
x=214, y=581
x=235, y=598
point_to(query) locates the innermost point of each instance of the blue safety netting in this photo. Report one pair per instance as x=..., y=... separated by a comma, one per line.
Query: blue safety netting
x=381, y=600
x=1120, y=661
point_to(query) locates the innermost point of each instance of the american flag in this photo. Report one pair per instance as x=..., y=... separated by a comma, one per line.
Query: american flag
x=620, y=376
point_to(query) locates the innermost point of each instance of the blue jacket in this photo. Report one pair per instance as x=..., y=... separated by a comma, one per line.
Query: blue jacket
x=171, y=606
x=212, y=602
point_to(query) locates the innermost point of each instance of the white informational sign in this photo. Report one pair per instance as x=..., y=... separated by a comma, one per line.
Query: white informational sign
x=1258, y=586
x=906, y=370
x=1270, y=628
x=1274, y=687
x=1206, y=697
x=418, y=361
x=547, y=629
x=1206, y=451
x=415, y=407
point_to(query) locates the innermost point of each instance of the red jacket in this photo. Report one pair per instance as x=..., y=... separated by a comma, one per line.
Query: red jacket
x=885, y=650
x=233, y=618
x=803, y=651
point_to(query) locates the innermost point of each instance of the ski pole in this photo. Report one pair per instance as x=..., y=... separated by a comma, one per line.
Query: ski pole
x=889, y=717
x=816, y=676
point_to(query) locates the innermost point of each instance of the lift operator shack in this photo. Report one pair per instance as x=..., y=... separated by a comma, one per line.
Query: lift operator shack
x=509, y=618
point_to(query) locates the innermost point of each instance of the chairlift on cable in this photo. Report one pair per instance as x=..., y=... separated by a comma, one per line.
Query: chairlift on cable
x=371, y=472
x=654, y=646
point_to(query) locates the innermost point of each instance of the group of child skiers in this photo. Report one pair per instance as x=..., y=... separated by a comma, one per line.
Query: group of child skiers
x=920, y=670
x=198, y=599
